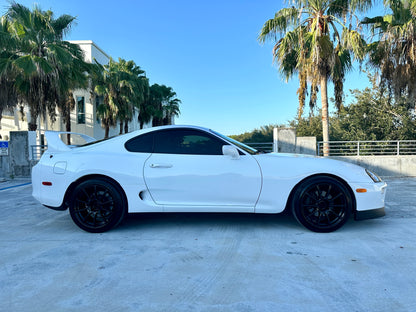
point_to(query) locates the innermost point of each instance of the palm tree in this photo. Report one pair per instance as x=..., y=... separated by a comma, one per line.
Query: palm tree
x=148, y=107
x=8, y=93
x=156, y=99
x=165, y=104
x=77, y=77
x=134, y=90
x=105, y=84
x=171, y=108
x=39, y=57
x=123, y=86
x=394, y=53
x=310, y=44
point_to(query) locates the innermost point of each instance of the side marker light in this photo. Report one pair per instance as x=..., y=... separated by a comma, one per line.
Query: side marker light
x=361, y=190
x=47, y=183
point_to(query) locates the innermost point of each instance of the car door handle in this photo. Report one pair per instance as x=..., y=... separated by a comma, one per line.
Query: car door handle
x=161, y=165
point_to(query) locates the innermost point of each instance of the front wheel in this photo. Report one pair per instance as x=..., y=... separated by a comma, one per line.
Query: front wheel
x=322, y=204
x=97, y=205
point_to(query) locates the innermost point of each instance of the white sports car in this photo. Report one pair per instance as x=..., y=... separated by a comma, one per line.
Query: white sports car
x=194, y=169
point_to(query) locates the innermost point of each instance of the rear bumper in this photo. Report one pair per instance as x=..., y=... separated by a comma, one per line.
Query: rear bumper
x=370, y=214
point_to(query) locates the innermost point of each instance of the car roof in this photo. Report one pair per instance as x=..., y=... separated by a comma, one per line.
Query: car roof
x=130, y=135
x=158, y=128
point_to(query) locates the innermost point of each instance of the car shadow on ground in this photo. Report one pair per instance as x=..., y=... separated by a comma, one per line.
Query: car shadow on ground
x=165, y=220
x=207, y=221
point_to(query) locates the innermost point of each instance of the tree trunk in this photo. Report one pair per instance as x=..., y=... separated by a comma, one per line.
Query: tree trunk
x=141, y=124
x=121, y=127
x=68, y=128
x=325, y=115
x=32, y=126
x=126, y=126
x=107, y=131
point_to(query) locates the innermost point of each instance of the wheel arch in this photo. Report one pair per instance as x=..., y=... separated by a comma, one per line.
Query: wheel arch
x=348, y=187
x=74, y=184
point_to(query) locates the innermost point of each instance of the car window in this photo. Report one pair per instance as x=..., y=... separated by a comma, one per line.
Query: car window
x=140, y=144
x=187, y=141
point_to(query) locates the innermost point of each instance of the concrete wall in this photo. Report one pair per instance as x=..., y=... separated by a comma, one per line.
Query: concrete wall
x=19, y=153
x=4, y=167
x=286, y=141
x=385, y=166
x=306, y=145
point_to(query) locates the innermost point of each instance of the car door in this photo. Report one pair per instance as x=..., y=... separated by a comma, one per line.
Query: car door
x=188, y=169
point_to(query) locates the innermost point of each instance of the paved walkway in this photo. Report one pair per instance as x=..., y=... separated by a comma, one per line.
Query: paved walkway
x=206, y=262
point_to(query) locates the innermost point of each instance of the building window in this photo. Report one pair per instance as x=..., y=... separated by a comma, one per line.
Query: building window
x=81, y=109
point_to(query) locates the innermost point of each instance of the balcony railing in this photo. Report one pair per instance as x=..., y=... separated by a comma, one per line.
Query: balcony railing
x=37, y=151
x=262, y=147
x=369, y=148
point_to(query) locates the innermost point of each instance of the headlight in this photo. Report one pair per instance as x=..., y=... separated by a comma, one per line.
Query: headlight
x=373, y=176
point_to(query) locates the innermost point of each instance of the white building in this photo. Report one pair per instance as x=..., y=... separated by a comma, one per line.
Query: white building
x=83, y=119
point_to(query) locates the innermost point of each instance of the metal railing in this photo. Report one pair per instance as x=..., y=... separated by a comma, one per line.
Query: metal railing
x=369, y=148
x=37, y=151
x=262, y=147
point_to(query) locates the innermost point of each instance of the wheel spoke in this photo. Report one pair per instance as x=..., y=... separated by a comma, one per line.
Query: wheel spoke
x=311, y=214
x=312, y=196
x=339, y=194
x=107, y=202
x=82, y=209
x=81, y=201
x=86, y=194
x=329, y=190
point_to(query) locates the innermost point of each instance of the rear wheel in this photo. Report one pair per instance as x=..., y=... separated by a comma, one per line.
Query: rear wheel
x=322, y=204
x=97, y=205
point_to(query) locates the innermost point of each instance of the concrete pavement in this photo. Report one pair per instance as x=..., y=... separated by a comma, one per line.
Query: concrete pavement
x=206, y=262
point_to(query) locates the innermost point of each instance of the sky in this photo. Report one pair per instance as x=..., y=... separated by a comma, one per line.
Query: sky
x=207, y=51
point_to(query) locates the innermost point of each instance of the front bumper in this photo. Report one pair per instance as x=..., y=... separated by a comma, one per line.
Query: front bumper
x=370, y=200
x=369, y=214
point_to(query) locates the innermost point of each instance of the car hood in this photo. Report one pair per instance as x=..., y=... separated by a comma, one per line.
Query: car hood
x=283, y=164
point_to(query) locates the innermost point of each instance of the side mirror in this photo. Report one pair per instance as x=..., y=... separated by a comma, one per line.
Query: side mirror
x=229, y=150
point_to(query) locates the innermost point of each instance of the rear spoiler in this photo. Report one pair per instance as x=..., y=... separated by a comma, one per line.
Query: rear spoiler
x=55, y=143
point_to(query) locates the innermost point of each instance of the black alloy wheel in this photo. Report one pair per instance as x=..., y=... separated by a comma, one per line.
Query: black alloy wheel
x=97, y=205
x=322, y=204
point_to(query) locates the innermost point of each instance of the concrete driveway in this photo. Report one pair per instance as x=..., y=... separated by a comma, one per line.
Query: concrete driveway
x=206, y=262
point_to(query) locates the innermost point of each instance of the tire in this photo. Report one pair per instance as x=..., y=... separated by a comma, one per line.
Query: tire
x=97, y=205
x=322, y=204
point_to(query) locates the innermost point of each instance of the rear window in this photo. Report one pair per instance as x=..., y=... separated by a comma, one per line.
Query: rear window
x=140, y=144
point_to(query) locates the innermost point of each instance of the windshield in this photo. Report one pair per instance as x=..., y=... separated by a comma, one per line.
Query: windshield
x=244, y=147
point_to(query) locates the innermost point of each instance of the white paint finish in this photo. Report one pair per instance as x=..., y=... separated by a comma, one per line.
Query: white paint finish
x=60, y=167
x=373, y=198
x=282, y=172
x=196, y=183
x=203, y=180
